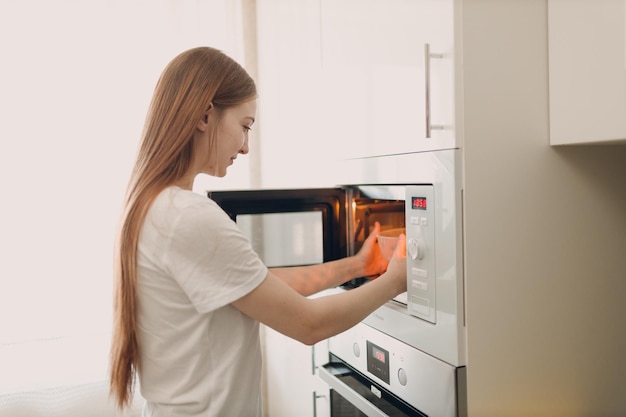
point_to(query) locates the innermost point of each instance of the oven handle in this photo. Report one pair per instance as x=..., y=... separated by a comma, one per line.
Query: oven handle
x=349, y=394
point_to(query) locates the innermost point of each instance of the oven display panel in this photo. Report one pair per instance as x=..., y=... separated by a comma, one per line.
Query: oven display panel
x=419, y=203
x=378, y=361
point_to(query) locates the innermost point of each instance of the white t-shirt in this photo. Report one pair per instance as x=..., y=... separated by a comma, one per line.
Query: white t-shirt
x=198, y=355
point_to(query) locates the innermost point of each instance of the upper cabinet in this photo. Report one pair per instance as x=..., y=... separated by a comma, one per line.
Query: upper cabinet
x=353, y=78
x=387, y=70
x=587, y=71
x=292, y=140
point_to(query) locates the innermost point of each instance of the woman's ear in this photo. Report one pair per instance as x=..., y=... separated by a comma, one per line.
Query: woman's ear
x=203, y=124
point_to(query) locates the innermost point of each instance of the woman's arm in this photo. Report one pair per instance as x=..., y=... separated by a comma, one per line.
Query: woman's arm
x=308, y=280
x=277, y=305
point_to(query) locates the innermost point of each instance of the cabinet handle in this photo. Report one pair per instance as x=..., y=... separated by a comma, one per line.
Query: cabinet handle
x=427, y=57
x=316, y=397
x=313, y=360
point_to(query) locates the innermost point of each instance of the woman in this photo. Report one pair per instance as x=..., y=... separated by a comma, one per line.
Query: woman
x=190, y=291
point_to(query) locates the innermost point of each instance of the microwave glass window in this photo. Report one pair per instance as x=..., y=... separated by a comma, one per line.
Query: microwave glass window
x=285, y=239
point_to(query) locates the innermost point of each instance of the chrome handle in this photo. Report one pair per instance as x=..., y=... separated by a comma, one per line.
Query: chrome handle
x=316, y=397
x=427, y=57
x=313, y=360
x=349, y=394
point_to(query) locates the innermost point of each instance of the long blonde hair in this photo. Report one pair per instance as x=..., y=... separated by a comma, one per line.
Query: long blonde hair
x=188, y=85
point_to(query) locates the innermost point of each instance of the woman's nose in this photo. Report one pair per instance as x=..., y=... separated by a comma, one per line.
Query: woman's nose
x=244, y=148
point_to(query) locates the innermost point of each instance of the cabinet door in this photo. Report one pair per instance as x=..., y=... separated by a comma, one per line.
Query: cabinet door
x=292, y=387
x=294, y=143
x=381, y=88
x=587, y=61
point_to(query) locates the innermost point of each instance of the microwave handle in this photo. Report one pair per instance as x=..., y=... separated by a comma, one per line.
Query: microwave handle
x=349, y=394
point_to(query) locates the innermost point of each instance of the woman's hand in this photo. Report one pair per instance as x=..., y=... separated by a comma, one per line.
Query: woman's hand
x=397, y=265
x=370, y=258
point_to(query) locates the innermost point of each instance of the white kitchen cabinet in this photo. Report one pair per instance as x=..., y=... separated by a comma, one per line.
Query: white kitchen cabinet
x=350, y=78
x=388, y=75
x=292, y=133
x=291, y=385
x=587, y=71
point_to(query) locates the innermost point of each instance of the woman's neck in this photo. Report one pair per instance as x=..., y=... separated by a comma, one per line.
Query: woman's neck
x=184, y=183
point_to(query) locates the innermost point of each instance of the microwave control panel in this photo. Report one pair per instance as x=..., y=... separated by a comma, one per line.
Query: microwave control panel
x=420, y=249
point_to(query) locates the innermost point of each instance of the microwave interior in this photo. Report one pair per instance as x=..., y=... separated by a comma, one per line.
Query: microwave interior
x=371, y=204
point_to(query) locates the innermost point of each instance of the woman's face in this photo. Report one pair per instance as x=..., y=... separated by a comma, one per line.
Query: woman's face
x=232, y=137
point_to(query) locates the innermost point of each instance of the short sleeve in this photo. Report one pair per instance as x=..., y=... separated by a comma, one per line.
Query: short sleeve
x=210, y=258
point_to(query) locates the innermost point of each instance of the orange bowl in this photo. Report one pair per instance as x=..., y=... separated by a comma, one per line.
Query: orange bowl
x=388, y=240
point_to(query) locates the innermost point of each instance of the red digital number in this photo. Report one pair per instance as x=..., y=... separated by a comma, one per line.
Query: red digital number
x=419, y=203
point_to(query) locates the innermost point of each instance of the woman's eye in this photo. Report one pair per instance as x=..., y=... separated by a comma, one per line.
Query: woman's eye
x=247, y=128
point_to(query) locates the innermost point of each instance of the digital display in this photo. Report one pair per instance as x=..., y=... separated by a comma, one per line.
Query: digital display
x=379, y=355
x=378, y=361
x=418, y=203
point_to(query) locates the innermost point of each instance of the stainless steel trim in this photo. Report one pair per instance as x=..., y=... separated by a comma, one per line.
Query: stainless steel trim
x=349, y=394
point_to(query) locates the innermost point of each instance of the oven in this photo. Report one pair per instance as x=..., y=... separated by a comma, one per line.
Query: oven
x=372, y=374
x=408, y=357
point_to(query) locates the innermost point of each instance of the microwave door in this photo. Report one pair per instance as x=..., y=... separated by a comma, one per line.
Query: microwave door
x=290, y=227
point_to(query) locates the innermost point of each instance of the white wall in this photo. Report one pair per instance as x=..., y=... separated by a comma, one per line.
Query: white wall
x=75, y=82
x=545, y=234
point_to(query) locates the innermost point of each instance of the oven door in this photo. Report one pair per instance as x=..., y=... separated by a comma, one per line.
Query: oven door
x=354, y=395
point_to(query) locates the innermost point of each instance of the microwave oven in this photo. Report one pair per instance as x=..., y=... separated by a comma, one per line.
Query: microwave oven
x=421, y=192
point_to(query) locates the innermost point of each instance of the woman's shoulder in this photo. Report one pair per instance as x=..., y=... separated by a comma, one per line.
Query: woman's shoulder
x=174, y=204
x=190, y=215
x=178, y=198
